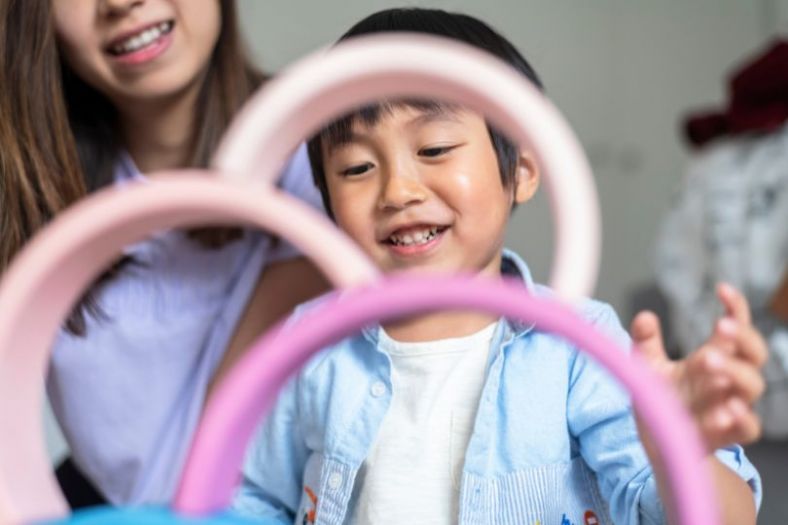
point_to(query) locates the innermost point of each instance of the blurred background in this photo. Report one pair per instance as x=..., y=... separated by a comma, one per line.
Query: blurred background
x=626, y=74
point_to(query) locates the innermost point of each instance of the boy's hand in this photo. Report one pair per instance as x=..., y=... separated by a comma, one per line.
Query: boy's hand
x=720, y=380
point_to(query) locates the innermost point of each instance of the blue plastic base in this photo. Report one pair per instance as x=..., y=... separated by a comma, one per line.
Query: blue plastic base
x=148, y=516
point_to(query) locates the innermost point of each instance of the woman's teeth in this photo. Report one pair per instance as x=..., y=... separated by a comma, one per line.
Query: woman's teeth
x=142, y=39
x=414, y=237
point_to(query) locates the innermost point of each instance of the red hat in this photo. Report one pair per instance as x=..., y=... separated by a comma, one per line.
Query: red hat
x=758, y=99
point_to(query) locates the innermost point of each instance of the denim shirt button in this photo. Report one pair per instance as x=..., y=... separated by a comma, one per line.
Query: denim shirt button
x=334, y=480
x=378, y=389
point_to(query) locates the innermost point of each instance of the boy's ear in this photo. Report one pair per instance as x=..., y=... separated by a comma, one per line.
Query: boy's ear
x=527, y=176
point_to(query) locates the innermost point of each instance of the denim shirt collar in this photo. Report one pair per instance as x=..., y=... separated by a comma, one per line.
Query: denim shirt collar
x=513, y=267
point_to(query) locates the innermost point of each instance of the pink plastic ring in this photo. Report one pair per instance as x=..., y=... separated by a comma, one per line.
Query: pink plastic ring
x=246, y=394
x=49, y=276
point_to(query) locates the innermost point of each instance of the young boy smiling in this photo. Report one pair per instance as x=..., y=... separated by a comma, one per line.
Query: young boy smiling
x=420, y=189
x=464, y=417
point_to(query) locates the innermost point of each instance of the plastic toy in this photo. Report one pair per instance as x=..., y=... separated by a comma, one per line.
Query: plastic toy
x=48, y=277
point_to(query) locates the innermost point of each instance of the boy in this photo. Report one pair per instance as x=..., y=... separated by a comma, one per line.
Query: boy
x=464, y=417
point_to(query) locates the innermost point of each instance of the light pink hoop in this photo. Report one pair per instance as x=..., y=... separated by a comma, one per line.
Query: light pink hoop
x=50, y=274
x=246, y=394
x=363, y=70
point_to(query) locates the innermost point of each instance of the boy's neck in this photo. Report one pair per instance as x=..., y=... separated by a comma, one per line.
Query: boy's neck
x=436, y=326
x=446, y=324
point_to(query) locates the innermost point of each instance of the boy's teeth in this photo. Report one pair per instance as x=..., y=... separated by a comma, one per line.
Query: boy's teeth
x=142, y=39
x=414, y=237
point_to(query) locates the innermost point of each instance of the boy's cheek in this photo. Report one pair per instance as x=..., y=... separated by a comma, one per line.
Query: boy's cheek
x=357, y=227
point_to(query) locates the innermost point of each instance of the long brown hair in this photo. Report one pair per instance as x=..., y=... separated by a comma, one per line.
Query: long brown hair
x=57, y=134
x=39, y=168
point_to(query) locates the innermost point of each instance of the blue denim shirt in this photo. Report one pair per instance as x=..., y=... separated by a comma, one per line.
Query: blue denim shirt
x=554, y=440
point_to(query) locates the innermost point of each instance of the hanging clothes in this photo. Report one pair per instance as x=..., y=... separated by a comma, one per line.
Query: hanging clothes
x=730, y=223
x=757, y=99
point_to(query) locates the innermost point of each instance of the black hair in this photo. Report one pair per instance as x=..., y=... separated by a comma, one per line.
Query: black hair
x=456, y=26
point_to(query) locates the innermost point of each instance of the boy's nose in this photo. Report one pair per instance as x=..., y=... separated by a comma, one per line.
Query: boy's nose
x=401, y=190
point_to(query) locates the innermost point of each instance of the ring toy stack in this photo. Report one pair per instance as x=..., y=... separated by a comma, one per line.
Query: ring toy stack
x=49, y=276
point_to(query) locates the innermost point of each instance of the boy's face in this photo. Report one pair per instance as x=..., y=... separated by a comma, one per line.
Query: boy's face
x=421, y=189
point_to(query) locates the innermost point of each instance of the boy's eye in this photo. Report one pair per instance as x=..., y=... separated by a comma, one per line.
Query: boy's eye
x=436, y=151
x=358, y=169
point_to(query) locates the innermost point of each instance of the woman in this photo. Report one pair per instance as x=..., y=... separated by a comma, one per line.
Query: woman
x=97, y=92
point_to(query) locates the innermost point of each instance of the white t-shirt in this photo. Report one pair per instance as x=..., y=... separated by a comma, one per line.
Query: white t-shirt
x=412, y=473
x=129, y=395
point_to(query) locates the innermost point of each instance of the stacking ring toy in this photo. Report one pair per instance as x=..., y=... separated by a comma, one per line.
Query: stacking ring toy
x=49, y=276
x=211, y=471
x=248, y=391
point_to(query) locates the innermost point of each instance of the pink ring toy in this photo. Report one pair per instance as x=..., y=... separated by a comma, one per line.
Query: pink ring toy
x=325, y=85
x=48, y=277
x=394, y=67
x=211, y=471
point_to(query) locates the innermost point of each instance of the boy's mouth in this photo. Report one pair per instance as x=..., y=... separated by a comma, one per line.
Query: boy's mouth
x=141, y=39
x=414, y=235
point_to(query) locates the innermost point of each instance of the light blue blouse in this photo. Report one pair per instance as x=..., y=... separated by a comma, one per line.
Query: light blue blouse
x=129, y=395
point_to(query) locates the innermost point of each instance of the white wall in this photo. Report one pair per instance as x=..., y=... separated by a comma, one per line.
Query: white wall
x=622, y=71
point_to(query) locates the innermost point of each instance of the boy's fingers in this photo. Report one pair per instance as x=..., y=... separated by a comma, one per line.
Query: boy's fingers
x=707, y=382
x=647, y=336
x=730, y=422
x=716, y=425
x=752, y=347
x=735, y=303
x=743, y=341
x=747, y=427
x=746, y=382
x=726, y=329
x=714, y=376
x=724, y=372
